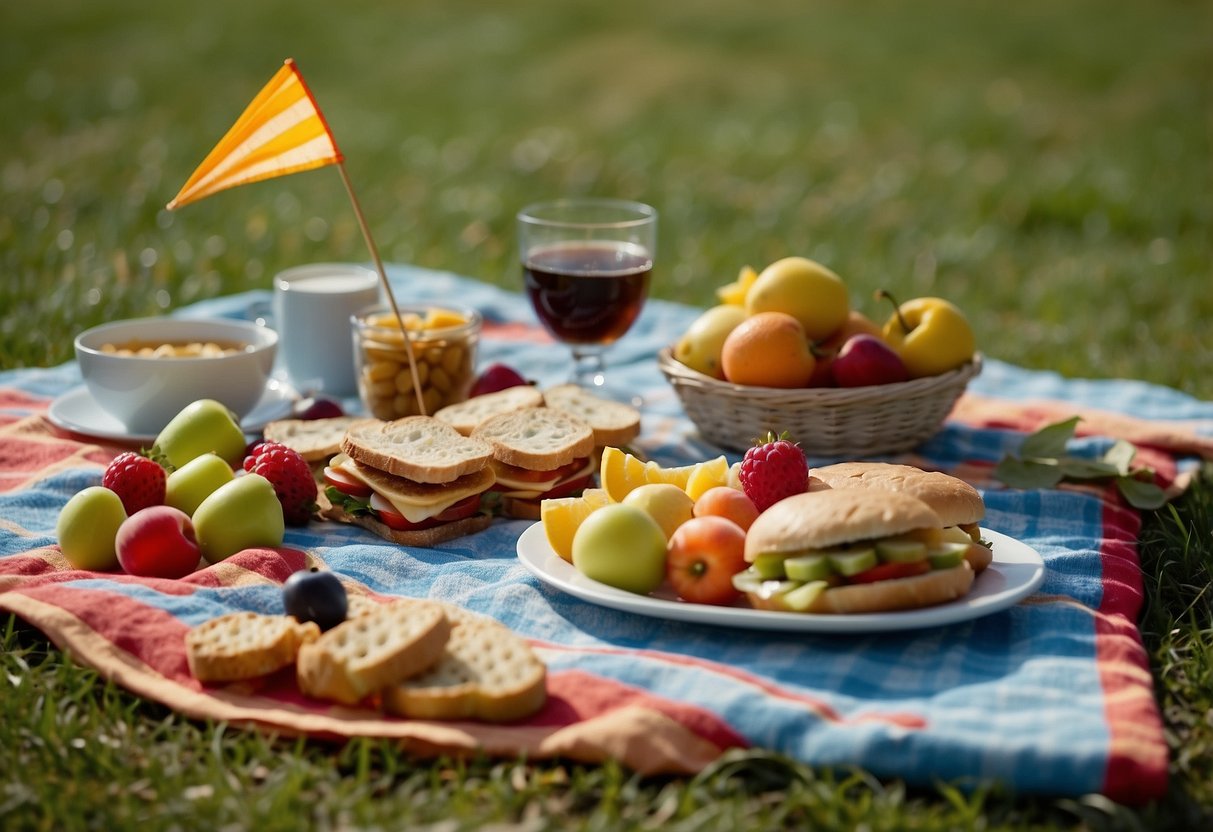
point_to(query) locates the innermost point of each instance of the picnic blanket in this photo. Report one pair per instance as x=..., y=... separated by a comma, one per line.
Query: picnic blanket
x=1053, y=695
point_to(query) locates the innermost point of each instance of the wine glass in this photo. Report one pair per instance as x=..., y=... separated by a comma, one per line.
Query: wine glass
x=586, y=264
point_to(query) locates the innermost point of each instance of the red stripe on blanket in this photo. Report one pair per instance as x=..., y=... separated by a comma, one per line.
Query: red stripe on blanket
x=12, y=398
x=575, y=696
x=901, y=720
x=1172, y=437
x=1137, y=754
x=526, y=333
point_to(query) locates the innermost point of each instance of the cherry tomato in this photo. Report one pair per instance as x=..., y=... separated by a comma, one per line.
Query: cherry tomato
x=390, y=517
x=345, y=483
x=703, y=556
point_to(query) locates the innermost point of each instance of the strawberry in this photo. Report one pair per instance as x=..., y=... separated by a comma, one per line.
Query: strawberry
x=773, y=469
x=291, y=477
x=138, y=481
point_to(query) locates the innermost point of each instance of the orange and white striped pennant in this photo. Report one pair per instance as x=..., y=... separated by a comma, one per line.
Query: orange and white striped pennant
x=282, y=131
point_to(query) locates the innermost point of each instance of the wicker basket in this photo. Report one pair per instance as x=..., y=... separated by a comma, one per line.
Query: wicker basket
x=826, y=421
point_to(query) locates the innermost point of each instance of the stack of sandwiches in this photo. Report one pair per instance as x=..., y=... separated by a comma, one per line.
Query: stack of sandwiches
x=423, y=480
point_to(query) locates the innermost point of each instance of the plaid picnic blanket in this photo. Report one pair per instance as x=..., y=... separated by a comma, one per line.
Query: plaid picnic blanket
x=1053, y=695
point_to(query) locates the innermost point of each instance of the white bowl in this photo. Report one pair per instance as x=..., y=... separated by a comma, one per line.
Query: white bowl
x=145, y=392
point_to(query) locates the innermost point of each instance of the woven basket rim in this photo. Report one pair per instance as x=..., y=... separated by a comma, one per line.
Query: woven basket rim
x=680, y=374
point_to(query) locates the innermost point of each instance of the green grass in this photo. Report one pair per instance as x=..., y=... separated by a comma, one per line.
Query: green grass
x=1045, y=165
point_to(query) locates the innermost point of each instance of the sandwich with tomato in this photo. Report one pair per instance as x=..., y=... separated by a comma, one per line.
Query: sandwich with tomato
x=958, y=504
x=849, y=551
x=537, y=453
x=415, y=481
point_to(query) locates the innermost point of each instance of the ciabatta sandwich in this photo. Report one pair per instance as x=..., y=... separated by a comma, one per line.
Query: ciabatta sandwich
x=958, y=504
x=415, y=481
x=538, y=453
x=846, y=551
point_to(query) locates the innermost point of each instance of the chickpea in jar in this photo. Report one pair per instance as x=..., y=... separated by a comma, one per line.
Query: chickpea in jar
x=444, y=345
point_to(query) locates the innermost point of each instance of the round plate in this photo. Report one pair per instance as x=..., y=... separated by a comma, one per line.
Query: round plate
x=77, y=412
x=1016, y=572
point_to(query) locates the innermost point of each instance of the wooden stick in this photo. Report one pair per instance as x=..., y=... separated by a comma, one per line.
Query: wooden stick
x=387, y=287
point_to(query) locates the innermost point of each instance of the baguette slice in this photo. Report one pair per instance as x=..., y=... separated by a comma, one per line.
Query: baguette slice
x=466, y=415
x=245, y=645
x=536, y=438
x=419, y=448
x=614, y=423
x=314, y=439
x=487, y=672
x=365, y=654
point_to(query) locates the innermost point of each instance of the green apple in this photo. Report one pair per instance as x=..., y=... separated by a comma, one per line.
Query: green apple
x=240, y=514
x=668, y=504
x=88, y=526
x=621, y=546
x=194, y=481
x=204, y=426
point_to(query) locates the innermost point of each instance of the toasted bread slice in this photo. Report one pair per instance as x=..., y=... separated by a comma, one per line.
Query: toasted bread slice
x=367, y=653
x=410, y=492
x=536, y=438
x=419, y=448
x=466, y=415
x=314, y=439
x=245, y=645
x=614, y=423
x=486, y=672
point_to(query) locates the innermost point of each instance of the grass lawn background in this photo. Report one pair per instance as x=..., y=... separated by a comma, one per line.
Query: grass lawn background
x=1044, y=164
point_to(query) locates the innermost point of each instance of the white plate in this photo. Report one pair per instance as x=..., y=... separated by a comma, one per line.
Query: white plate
x=1016, y=572
x=77, y=412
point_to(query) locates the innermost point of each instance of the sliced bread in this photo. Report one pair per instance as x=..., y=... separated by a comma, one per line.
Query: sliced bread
x=486, y=672
x=536, y=438
x=314, y=439
x=614, y=423
x=466, y=415
x=245, y=645
x=367, y=653
x=419, y=448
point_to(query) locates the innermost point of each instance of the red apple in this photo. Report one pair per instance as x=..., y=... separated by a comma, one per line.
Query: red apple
x=703, y=556
x=494, y=378
x=865, y=360
x=157, y=542
x=826, y=350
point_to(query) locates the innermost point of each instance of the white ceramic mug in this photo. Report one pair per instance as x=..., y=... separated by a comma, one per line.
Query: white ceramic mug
x=312, y=309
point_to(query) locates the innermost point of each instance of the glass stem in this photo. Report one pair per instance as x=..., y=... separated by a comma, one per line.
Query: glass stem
x=589, y=366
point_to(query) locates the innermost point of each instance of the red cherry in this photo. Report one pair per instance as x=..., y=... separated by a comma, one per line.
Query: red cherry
x=317, y=407
x=496, y=377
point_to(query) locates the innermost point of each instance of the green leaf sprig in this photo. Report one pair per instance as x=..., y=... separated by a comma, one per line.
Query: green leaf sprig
x=1042, y=462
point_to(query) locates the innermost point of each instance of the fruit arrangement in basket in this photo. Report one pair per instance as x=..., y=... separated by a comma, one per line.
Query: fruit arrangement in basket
x=786, y=350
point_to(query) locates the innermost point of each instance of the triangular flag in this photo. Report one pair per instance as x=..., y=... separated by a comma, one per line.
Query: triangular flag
x=282, y=131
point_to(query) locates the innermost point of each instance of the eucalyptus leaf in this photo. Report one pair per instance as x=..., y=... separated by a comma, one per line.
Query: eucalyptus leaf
x=1087, y=469
x=1050, y=441
x=1028, y=473
x=1121, y=455
x=1140, y=493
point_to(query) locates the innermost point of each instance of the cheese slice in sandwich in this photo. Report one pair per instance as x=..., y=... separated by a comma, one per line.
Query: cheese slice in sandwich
x=415, y=481
x=537, y=453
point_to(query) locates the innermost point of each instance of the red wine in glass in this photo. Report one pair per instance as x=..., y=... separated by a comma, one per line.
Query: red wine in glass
x=587, y=292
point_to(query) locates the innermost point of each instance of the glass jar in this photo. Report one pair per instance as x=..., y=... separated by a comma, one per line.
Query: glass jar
x=444, y=338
